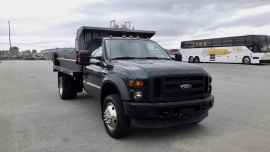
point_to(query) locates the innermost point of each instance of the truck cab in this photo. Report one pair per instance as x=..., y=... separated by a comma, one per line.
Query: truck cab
x=135, y=80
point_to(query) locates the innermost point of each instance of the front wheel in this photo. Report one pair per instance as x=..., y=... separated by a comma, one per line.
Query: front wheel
x=115, y=121
x=246, y=60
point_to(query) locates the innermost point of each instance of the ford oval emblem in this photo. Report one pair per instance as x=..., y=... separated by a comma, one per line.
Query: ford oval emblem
x=185, y=86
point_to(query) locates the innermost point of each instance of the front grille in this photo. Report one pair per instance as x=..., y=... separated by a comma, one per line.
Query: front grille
x=157, y=87
x=179, y=88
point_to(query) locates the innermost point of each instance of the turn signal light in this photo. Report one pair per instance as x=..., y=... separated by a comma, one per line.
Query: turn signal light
x=79, y=60
x=209, y=79
x=130, y=83
x=138, y=84
x=135, y=83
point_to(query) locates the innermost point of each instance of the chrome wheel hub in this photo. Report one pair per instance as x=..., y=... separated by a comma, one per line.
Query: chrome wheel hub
x=110, y=116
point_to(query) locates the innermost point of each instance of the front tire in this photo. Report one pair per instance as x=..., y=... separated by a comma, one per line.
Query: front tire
x=246, y=60
x=115, y=121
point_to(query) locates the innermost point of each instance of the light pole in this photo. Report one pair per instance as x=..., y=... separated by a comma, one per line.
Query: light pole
x=9, y=35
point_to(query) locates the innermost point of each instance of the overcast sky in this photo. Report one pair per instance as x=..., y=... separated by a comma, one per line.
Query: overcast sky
x=41, y=24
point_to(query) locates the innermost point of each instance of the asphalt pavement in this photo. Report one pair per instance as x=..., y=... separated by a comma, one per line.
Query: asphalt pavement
x=33, y=118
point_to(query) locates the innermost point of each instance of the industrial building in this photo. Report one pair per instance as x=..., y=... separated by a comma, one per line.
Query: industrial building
x=48, y=52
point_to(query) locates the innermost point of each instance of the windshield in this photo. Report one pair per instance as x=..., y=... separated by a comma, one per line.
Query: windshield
x=129, y=49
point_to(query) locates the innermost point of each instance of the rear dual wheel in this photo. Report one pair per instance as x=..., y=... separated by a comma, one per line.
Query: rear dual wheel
x=66, y=90
x=197, y=60
x=191, y=59
x=194, y=60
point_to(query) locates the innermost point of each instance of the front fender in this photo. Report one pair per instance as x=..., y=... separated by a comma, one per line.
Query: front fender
x=115, y=80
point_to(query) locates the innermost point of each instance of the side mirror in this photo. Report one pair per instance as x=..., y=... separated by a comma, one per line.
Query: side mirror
x=83, y=57
x=96, y=60
x=178, y=57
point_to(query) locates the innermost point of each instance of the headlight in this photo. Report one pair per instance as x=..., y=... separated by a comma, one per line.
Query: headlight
x=138, y=95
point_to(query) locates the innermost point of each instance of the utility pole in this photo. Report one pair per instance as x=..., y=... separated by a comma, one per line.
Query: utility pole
x=9, y=34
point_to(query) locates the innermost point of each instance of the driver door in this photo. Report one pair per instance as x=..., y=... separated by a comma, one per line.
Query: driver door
x=256, y=52
x=93, y=79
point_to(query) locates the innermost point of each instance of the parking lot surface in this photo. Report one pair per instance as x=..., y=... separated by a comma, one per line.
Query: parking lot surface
x=33, y=118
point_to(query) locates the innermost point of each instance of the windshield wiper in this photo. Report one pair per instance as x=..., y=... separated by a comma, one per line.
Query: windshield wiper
x=156, y=58
x=125, y=57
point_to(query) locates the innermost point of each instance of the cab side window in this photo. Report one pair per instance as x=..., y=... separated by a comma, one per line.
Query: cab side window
x=96, y=49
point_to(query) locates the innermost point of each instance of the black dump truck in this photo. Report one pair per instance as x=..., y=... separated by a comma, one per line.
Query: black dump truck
x=134, y=78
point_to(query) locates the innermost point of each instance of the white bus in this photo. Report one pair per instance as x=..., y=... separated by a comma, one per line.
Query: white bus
x=248, y=49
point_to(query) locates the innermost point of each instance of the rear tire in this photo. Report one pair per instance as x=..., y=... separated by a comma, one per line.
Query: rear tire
x=73, y=95
x=115, y=121
x=246, y=60
x=63, y=90
x=191, y=59
x=71, y=86
x=66, y=88
x=197, y=60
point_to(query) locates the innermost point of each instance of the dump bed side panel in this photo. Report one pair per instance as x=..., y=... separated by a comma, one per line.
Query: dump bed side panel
x=65, y=61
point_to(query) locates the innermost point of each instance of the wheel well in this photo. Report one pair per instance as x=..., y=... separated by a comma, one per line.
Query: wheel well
x=245, y=57
x=107, y=89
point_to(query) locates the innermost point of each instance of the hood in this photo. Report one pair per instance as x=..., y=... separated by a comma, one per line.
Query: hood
x=142, y=68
